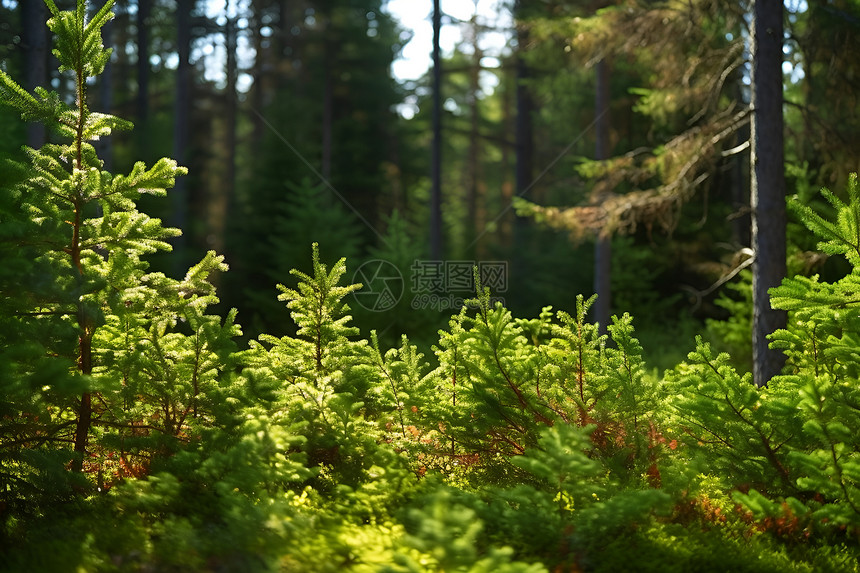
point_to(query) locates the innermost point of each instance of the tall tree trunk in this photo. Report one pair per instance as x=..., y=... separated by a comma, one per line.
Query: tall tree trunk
x=603, y=241
x=86, y=326
x=472, y=170
x=142, y=103
x=768, y=184
x=260, y=74
x=505, y=164
x=436, y=159
x=524, y=128
x=327, y=114
x=524, y=146
x=221, y=204
x=35, y=39
x=232, y=73
x=182, y=128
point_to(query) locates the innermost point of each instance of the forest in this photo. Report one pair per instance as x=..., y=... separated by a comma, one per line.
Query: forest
x=581, y=297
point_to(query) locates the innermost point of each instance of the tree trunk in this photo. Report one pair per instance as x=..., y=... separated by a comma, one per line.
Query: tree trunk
x=258, y=89
x=182, y=128
x=222, y=203
x=524, y=129
x=524, y=149
x=142, y=105
x=232, y=73
x=436, y=159
x=507, y=190
x=767, y=185
x=603, y=241
x=473, y=170
x=35, y=39
x=327, y=113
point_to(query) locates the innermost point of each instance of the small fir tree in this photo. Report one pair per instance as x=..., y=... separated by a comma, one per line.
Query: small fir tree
x=321, y=376
x=789, y=449
x=112, y=365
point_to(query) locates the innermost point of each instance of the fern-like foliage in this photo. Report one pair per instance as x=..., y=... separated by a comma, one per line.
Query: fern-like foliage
x=841, y=236
x=577, y=349
x=821, y=344
x=444, y=534
x=795, y=442
x=590, y=497
x=318, y=309
x=401, y=396
x=505, y=385
x=501, y=381
x=321, y=376
x=722, y=416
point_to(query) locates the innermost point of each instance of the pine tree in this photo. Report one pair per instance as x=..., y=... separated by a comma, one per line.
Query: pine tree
x=821, y=345
x=321, y=376
x=686, y=76
x=111, y=366
x=789, y=450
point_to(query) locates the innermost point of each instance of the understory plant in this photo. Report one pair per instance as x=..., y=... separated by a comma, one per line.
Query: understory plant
x=106, y=366
x=787, y=452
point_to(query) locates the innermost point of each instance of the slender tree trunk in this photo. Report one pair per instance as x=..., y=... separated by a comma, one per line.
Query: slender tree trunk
x=182, y=127
x=505, y=164
x=768, y=184
x=142, y=103
x=221, y=203
x=473, y=170
x=35, y=39
x=524, y=146
x=436, y=159
x=603, y=241
x=524, y=128
x=85, y=408
x=230, y=96
x=258, y=89
x=86, y=326
x=327, y=114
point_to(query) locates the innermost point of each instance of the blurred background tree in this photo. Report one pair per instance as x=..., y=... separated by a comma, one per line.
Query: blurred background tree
x=295, y=130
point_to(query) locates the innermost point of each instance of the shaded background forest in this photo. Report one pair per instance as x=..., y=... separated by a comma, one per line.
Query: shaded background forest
x=623, y=132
